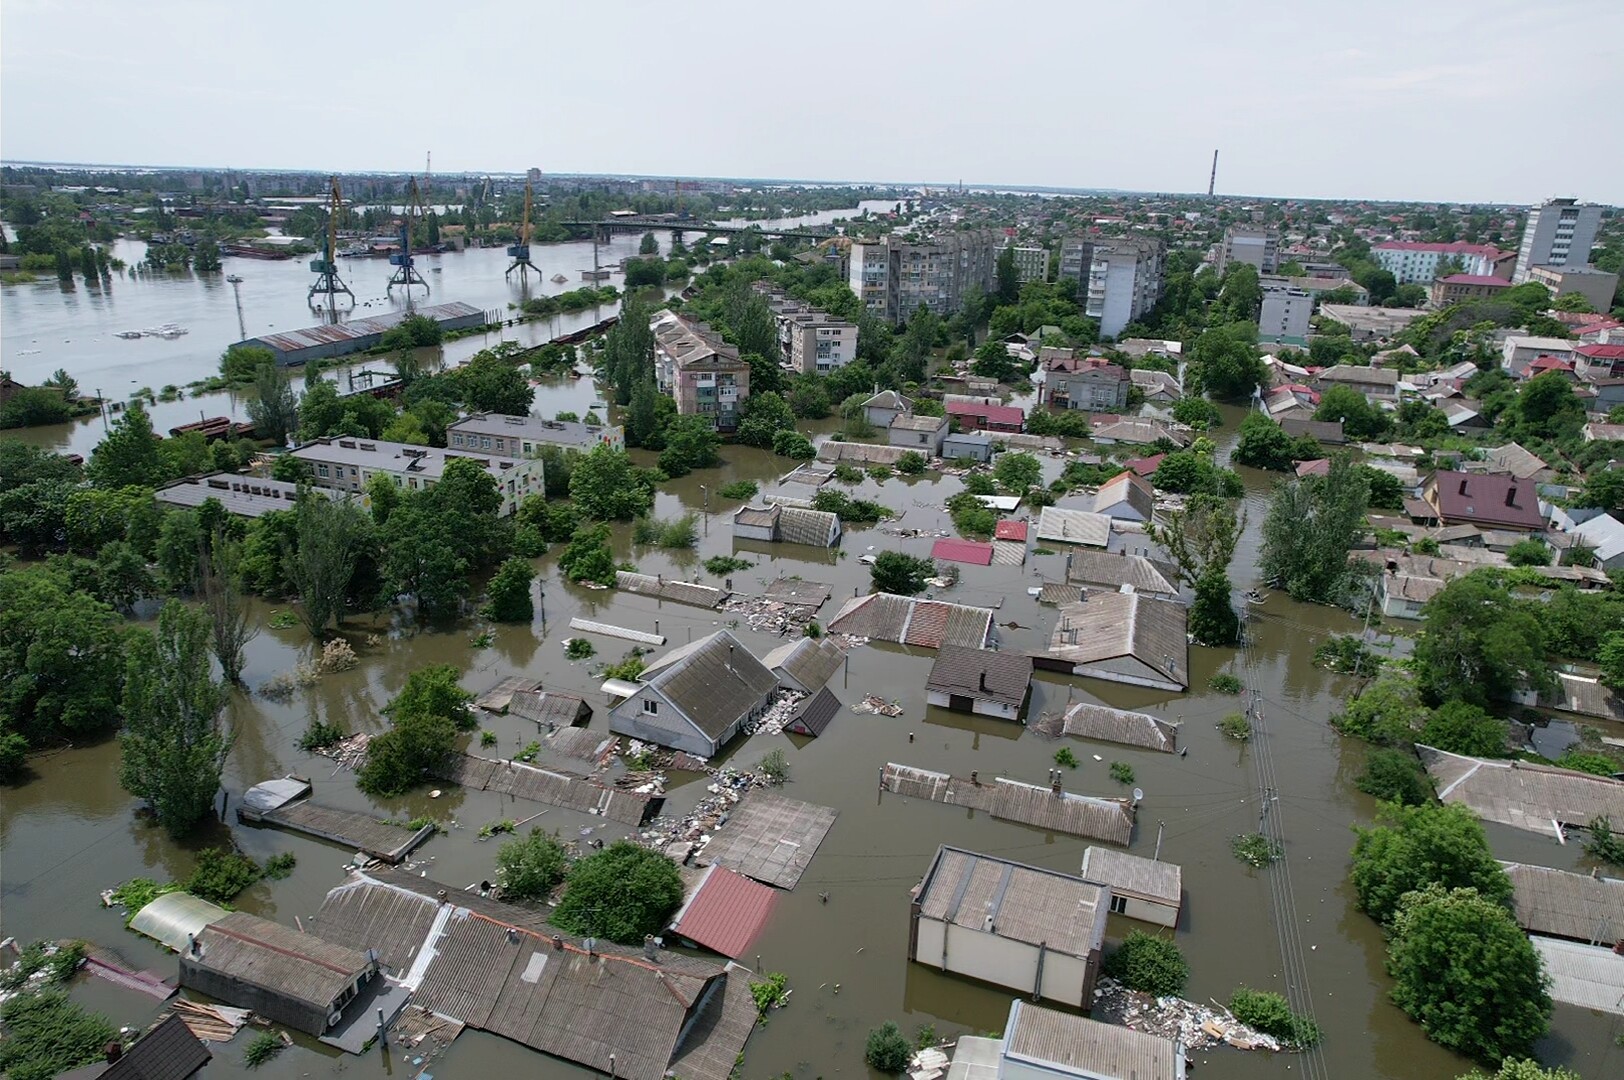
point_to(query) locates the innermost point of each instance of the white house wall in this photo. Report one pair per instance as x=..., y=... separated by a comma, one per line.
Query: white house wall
x=667, y=728
x=1002, y=962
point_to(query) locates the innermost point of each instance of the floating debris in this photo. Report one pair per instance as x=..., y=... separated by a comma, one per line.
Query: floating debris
x=770, y=616
x=786, y=703
x=1197, y=1027
x=878, y=706
x=348, y=752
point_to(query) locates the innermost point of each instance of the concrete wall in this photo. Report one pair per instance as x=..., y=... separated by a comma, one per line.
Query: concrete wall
x=1126, y=669
x=928, y=443
x=1148, y=910
x=1002, y=962
x=754, y=532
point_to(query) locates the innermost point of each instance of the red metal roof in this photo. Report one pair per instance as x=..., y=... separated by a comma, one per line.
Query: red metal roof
x=1601, y=352
x=1010, y=530
x=997, y=414
x=1549, y=363
x=1144, y=466
x=952, y=549
x=727, y=912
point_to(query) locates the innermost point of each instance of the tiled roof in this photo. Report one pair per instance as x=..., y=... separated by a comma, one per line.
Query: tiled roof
x=726, y=912
x=1010, y=530
x=981, y=673
x=997, y=414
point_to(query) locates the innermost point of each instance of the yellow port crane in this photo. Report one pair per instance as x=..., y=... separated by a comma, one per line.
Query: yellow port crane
x=326, y=266
x=520, y=252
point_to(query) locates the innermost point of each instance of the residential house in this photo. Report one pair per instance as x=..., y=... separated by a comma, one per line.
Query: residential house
x=348, y=464
x=1038, y=932
x=1159, y=387
x=702, y=372
x=1558, y=903
x=526, y=435
x=1145, y=889
x=1291, y=402
x=1594, y=363
x=1139, y=431
x=1066, y=526
x=1126, y=497
x=780, y=522
x=1604, y=535
x=1486, y=500
x=805, y=665
x=1403, y=595
x=1520, y=350
x=697, y=696
x=298, y=980
x=1377, y=384
x=921, y=433
x=885, y=406
x=169, y=1051
x=1084, y=383
x=979, y=681
x=1596, y=431
x=1111, y=570
x=1325, y=431
x=1085, y=720
x=1463, y=414
x=980, y=416
x=909, y=620
x=975, y=446
x=1041, y=1044
x=1516, y=461
x=1121, y=637
x=1457, y=287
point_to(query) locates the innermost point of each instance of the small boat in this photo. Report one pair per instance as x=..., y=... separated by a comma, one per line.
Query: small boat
x=1254, y=597
x=434, y=269
x=129, y=335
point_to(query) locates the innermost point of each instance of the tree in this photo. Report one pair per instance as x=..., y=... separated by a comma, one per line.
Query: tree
x=1412, y=847
x=648, y=245
x=34, y=406
x=1264, y=444
x=1610, y=658
x=1212, y=616
x=1604, y=487
x=1462, y=728
x=1360, y=419
x=761, y=417
x=179, y=540
x=887, y=1049
x=1311, y=526
x=904, y=575
x=1523, y=1068
x=423, y=557
x=490, y=383
x=1008, y=278
x=220, y=584
x=413, y=332
x=1197, y=412
x=1396, y=777
x=605, y=486
x=274, y=409
x=690, y=443
x=529, y=868
x=1017, y=472
x=397, y=759
x=1479, y=644
x=174, y=746
x=623, y=893
x=1200, y=536
x=128, y=456
x=1466, y=972
x=240, y=363
x=329, y=539
x=588, y=557
x=433, y=691
x=1547, y=408
x=1388, y=712
x=792, y=444
x=1529, y=551
x=1227, y=364
x=63, y=654
x=993, y=361
x=1189, y=473
x=1148, y=963
x=1386, y=493
x=509, y=592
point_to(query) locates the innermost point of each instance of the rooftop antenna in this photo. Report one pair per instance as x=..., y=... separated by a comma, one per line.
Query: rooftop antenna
x=520, y=252
x=326, y=266
x=1212, y=181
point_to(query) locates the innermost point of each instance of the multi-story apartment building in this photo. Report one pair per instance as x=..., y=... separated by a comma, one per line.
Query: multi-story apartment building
x=1252, y=245
x=1118, y=279
x=347, y=464
x=528, y=434
x=695, y=366
x=1596, y=286
x=1284, y=316
x=1031, y=264
x=894, y=277
x=1084, y=383
x=1560, y=232
x=1457, y=287
x=809, y=340
x=1417, y=262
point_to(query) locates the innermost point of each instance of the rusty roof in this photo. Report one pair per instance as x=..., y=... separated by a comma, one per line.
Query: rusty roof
x=953, y=549
x=726, y=912
x=1003, y=677
x=331, y=333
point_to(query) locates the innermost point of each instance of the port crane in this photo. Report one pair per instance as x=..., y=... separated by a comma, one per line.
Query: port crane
x=326, y=265
x=406, y=274
x=520, y=252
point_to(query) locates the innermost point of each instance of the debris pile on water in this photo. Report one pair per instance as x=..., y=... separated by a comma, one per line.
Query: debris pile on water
x=878, y=706
x=348, y=752
x=1197, y=1027
x=770, y=616
x=785, y=704
x=928, y=1064
x=681, y=838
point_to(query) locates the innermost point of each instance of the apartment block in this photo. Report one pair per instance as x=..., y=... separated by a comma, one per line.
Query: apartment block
x=526, y=435
x=1457, y=287
x=1560, y=232
x=1118, y=279
x=1285, y=315
x=809, y=340
x=346, y=464
x=1414, y=262
x=894, y=277
x=693, y=365
x=1031, y=264
x=1596, y=286
x=1254, y=246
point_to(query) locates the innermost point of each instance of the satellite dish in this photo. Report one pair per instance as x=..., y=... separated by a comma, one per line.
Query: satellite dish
x=1138, y=795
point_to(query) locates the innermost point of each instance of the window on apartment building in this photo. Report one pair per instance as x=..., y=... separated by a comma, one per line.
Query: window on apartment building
x=499, y=444
x=352, y=472
x=485, y=442
x=456, y=438
x=321, y=470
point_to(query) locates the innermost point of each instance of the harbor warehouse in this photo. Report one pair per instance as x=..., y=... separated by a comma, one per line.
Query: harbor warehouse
x=359, y=335
x=1032, y=930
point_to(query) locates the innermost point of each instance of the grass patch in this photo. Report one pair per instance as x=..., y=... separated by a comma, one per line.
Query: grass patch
x=1255, y=849
x=1122, y=772
x=739, y=489
x=283, y=620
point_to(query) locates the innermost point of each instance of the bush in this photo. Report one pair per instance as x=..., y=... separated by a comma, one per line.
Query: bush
x=722, y=565
x=1580, y=761
x=970, y=516
x=1148, y=963
x=579, y=649
x=1255, y=849
x=1067, y=757
x=1236, y=726
x=887, y=1049
x=792, y=444
x=774, y=766
x=629, y=668
x=1603, y=843
x=1121, y=772
x=320, y=735
x=265, y=1046
x=1347, y=653
x=221, y=874
x=680, y=532
x=904, y=575
x=280, y=866
x=911, y=463
x=47, y=1034
x=771, y=992
x=1396, y=777
x=1463, y=728
x=529, y=868
x=622, y=893
x=738, y=489
x=1270, y=1013
x=1224, y=683
x=1529, y=552
x=588, y=557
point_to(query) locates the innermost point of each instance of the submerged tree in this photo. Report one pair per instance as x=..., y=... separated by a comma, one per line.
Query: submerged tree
x=1311, y=526
x=174, y=745
x=321, y=561
x=220, y=584
x=275, y=408
x=1200, y=539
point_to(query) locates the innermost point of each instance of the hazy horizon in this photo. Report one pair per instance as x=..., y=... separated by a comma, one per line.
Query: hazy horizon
x=1408, y=103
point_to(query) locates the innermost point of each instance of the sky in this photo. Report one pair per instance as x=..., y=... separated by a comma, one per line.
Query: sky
x=1506, y=101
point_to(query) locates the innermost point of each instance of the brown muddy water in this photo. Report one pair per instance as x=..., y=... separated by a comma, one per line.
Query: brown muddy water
x=71, y=832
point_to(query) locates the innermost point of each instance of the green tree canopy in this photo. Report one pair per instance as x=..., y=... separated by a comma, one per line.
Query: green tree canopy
x=1226, y=363
x=509, y=592
x=1360, y=419
x=63, y=652
x=605, y=486
x=1412, y=847
x=894, y=572
x=1311, y=526
x=1479, y=644
x=622, y=893
x=128, y=456
x=529, y=867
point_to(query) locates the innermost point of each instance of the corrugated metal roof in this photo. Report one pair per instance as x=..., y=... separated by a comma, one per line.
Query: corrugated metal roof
x=1015, y=901
x=1074, y=527
x=175, y=917
x=1584, y=975
x=770, y=838
x=1109, y=625
x=716, y=681
x=1083, y=1047
x=952, y=549
x=981, y=673
x=681, y=592
x=1134, y=875
x=1116, y=570
x=1523, y=794
x=1088, y=721
x=550, y=706
x=1010, y=530
x=810, y=662
x=906, y=620
x=1567, y=905
x=328, y=333
x=726, y=912
x=297, y=966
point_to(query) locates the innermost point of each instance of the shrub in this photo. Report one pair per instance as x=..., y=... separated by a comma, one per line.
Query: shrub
x=265, y=1046
x=487, y=738
x=792, y=444
x=1603, y=843
x=887, y=1049
x=622, y=893
x=771, y=992
x=1347, y=653
x=1255, y=849
x=1121, y=772
x=970, y=516
x=1236, y=726
x=911, y=463
x=774, y=766
x=847, y=473
x=1462, y=728
x=680, y=532
x=47, y=1034
x=397, y=759
x=1580, y=761
x=629, y=668
x=280, y=866
x=530, y=867
x=579, y=649
x=1148, y=963
x=1065, y=756
x=1224, y=683
x=221, y=874
x=904, y=575
x=320, y=735
x=1394, y=776
x=1270, y=1013
x=738, y=489
x=722, y=565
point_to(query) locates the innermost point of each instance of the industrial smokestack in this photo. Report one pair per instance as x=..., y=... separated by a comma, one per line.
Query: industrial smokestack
x=1212, y=182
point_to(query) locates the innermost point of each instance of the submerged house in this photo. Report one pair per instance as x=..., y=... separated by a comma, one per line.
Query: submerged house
x=979, y=681
x=1121, y=637
x=1035, y=931
x=291, y=978
x=697, y=697
x=781, y=523
x=1145, y=889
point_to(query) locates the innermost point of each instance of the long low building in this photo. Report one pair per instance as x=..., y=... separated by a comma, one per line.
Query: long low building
x=526, y=435
x=243, y=496
x=358, y=335
x=1121, y=637
x=1522, y=794
x=347, y=464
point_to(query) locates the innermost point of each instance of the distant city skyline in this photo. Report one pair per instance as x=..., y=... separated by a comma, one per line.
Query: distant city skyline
x=1494, y=101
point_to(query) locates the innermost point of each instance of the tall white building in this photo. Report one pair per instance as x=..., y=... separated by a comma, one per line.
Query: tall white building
x=1418, y=262
x=1560, y=232
x=1257, y=247
x=1031, y=264
x=1118, y=279
x=1284, y=319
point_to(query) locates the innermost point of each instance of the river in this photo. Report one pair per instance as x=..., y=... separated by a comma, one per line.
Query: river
x=72, y=832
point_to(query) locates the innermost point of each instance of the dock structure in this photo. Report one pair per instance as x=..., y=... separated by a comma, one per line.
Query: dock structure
x=769, y=838
x=554, y=787
x=1047, y=808
x=1524, y=795
x=672, y=589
